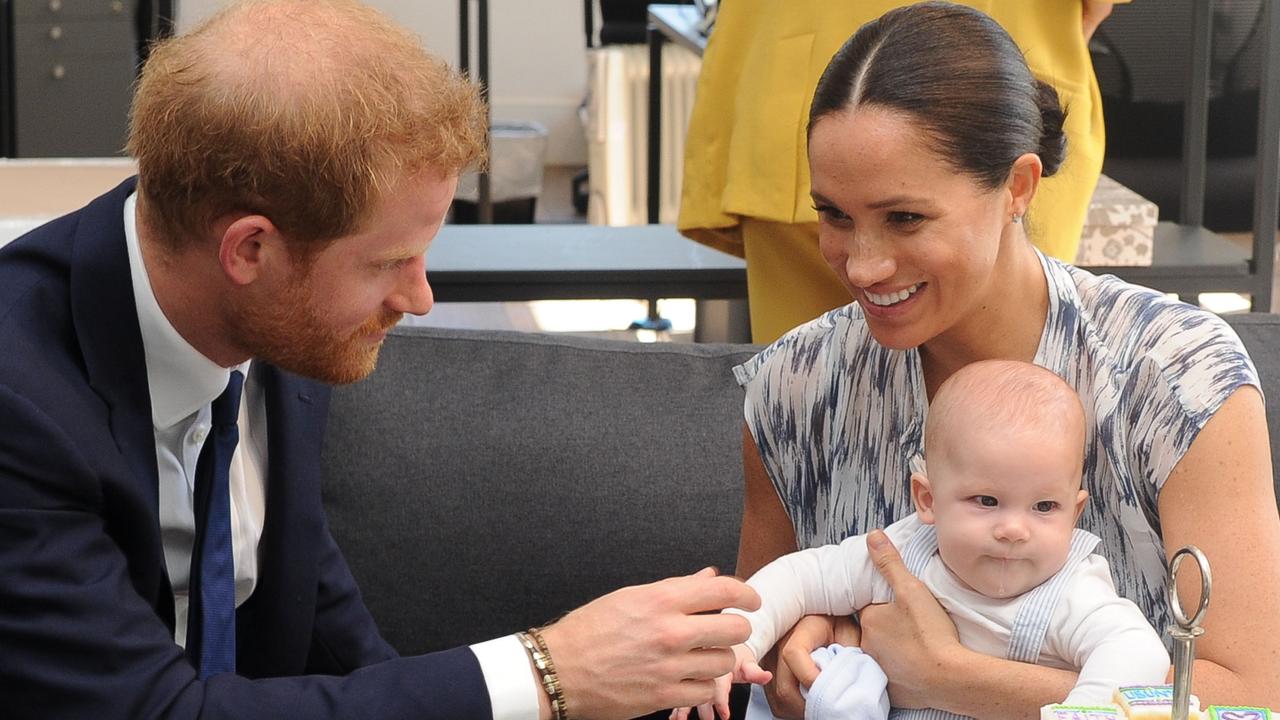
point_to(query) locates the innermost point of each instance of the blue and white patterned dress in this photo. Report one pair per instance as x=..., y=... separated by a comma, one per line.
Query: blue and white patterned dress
x=838, y=417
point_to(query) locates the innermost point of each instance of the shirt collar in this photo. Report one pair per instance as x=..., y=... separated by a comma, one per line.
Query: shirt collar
x=1062, y=322
x=180, y=379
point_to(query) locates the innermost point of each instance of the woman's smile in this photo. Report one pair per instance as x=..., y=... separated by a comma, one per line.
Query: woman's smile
x=890, y=304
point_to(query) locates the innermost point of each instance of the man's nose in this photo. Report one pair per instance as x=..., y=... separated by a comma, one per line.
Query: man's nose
x=412, y=293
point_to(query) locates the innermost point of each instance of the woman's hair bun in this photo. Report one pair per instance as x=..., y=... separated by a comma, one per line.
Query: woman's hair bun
x=1053, y=142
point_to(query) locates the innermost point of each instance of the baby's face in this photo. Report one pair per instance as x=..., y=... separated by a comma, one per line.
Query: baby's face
x=1004, y=509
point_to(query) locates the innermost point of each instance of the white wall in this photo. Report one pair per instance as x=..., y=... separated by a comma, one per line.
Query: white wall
x=537, y=58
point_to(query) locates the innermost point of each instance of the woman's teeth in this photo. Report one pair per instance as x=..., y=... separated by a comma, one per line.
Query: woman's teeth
x=893, y=297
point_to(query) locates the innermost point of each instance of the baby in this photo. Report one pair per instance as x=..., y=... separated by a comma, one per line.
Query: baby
x=992, y=537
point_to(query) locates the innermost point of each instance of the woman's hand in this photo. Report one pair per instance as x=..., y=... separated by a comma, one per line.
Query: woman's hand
x=1092, y=15
x=792, y=665
x=911, y=637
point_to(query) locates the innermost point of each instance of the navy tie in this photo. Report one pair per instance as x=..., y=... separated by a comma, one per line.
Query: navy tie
x=211, y=618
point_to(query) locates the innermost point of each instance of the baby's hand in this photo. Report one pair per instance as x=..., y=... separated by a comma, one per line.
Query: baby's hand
x=745, y=669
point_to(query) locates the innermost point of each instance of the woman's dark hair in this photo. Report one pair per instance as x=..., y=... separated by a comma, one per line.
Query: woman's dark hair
x=960, y=76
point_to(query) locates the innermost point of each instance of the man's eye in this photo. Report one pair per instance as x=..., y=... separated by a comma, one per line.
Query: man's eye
x=1045, y=506
x=986, y=501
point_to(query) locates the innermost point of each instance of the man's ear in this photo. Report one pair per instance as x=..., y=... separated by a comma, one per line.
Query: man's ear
x=1081, y=498
x=1024, y=179
x=922, y=495
x=244, y=245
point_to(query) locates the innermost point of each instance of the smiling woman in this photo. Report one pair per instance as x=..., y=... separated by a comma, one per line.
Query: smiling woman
x=746, y=173
x=927, y=142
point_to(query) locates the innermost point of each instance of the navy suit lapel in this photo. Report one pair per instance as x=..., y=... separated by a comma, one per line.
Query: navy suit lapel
x=275, y=624
x=106, y=326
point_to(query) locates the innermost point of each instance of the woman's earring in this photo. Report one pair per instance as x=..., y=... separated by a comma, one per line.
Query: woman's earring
x=1017, y=218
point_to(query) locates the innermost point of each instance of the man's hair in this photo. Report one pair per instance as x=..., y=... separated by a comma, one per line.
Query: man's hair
x=997, y=395
x=304, y=111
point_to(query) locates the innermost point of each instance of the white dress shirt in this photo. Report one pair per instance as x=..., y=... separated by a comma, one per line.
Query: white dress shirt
x=183, y=385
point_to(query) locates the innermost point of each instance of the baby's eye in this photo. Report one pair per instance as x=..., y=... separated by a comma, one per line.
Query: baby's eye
x=905, y=219
x=986, y=500
x=1046, y=506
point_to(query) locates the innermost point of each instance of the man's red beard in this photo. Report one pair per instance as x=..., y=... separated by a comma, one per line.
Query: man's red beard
x=294, y=337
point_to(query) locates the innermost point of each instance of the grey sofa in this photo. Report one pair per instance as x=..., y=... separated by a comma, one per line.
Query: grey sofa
x=481, y=482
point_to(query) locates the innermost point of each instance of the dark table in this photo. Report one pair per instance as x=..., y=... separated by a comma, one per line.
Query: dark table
x=489, y=263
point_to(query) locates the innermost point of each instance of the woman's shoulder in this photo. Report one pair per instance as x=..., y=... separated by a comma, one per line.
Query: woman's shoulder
x=1134, y=324
x=1156, y=349
x=808, y=349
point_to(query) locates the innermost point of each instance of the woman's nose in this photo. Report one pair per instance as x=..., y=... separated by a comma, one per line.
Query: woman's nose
x=868, y=262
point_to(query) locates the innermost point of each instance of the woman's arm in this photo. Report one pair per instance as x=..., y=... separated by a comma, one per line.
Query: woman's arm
x=1092, y=13
x=767, y=534
x=1220, y=498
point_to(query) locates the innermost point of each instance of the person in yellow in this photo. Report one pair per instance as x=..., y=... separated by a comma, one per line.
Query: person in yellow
x=746, y=171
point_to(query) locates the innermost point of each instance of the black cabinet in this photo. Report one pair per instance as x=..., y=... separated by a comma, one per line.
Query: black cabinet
x=68, y=72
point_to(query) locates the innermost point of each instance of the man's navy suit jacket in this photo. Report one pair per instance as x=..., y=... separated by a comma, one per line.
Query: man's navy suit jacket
x=86, y=610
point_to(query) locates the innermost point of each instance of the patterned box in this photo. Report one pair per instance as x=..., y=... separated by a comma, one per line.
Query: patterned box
x=1221, y=712
x=1119, y=227
x=1080, y=712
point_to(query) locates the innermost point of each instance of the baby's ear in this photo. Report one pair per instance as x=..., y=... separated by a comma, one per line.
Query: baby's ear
x=1081, y=498
x=922, y=495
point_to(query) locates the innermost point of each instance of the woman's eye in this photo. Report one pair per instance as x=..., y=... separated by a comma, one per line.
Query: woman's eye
x=1046, y=506
x=986, y=501
x=831, y=213
x=905, y=219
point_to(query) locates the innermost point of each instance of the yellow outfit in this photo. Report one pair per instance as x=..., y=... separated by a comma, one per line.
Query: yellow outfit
x=746, y=174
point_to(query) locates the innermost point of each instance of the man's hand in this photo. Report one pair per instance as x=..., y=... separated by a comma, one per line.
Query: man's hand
x=745, y=670
x=648, y=648
x=912, y=638
x=793, y=664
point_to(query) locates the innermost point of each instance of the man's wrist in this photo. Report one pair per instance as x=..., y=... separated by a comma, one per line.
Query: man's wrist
x=544, y=702
x=551, y=698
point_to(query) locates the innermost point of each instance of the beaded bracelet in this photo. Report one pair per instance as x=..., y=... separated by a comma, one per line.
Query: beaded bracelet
x=537, y=649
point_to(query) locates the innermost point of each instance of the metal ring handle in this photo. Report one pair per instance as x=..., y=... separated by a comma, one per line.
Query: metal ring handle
x=1206, y=585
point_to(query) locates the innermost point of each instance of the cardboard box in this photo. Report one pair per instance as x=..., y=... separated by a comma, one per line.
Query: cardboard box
x=1119, y=228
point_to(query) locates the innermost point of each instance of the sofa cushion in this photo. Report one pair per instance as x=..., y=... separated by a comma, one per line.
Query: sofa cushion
x=480, y=482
